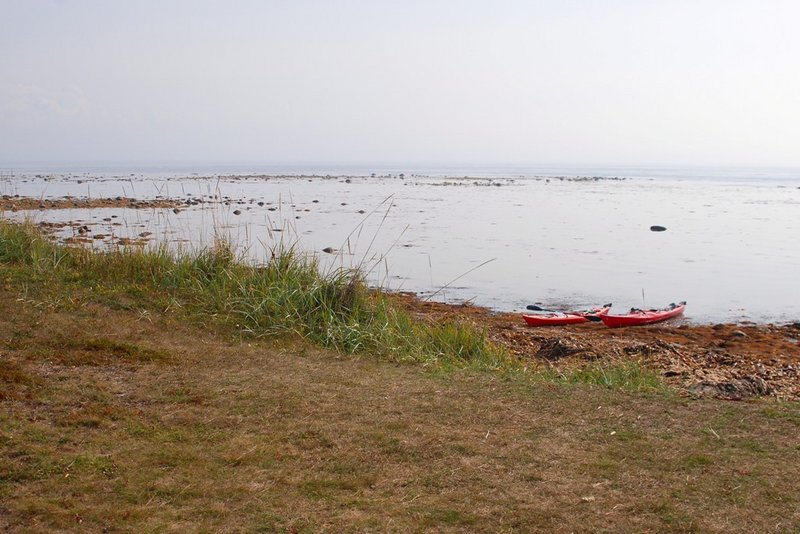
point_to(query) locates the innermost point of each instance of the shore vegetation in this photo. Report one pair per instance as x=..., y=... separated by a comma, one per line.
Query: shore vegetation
x=149, y=390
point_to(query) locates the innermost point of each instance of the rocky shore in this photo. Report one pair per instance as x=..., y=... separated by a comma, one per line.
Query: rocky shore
x=16, y=202
x=729, y=361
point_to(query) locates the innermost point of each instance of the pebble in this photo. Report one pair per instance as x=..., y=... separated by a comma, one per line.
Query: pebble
x=657, y=228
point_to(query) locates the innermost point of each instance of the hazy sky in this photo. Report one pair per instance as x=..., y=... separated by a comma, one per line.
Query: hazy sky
x=451, y=82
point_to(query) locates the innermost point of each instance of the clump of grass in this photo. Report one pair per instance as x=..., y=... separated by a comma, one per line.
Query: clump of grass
x=289, y=295
x=630, y=376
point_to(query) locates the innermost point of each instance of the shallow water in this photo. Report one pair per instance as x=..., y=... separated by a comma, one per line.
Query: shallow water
x=729, y=248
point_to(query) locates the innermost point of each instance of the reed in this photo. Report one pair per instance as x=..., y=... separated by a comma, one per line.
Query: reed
x=288, y=295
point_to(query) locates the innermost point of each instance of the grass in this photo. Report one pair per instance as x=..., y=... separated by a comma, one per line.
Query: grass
x=132, y=401
x=629, y=376
x=288, y=296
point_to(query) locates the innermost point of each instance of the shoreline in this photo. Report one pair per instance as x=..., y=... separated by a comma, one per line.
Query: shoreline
x=724, y=360
x=24, y=203
x=729, y=361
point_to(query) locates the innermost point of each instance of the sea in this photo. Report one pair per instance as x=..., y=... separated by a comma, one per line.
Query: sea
x=502, y=237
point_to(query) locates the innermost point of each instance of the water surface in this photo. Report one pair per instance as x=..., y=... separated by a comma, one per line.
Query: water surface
x=497, y=240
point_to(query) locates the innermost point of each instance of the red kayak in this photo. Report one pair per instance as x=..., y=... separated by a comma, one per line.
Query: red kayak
x=553, y=318
x=638, y=317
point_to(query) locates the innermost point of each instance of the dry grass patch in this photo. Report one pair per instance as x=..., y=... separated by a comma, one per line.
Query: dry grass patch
x=129, y=421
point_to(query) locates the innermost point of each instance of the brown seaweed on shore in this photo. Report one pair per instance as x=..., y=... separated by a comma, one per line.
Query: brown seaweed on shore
x=728, y=361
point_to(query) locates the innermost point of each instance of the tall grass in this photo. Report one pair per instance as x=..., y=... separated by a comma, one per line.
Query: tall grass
x=287, y=295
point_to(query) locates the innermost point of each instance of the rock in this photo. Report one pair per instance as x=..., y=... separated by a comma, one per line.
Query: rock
x=329, y=250
x=362, y=211
x=736, y=389
x=657, y=228
x=176, y=211
x=237, y=212
x=738, y=333
x=145, y=234
x=555, y=349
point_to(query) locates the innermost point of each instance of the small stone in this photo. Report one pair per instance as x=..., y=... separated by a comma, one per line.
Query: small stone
x=738, y=333
x=237, y=212
x=329, y=250
x=657, y=228
x=176, y=211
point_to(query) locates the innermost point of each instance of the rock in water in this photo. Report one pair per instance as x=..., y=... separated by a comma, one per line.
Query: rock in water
x=329, y=250
x=657, y=228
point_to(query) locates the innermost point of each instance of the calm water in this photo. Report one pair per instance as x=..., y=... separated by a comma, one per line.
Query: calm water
x=498, y=239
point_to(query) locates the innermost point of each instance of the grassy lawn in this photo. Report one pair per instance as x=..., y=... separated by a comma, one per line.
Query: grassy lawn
x=129, y=404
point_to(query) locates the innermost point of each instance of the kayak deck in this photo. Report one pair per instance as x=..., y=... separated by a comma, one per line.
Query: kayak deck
x=559, y=319
x=643, y=317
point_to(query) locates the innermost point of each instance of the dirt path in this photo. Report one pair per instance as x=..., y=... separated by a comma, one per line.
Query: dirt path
x=124, y=420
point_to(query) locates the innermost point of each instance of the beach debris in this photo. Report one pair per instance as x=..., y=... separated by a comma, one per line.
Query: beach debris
x=736, y=389
x=555, y=349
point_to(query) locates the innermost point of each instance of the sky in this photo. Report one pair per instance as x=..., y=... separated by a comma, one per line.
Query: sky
x=548, y=82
